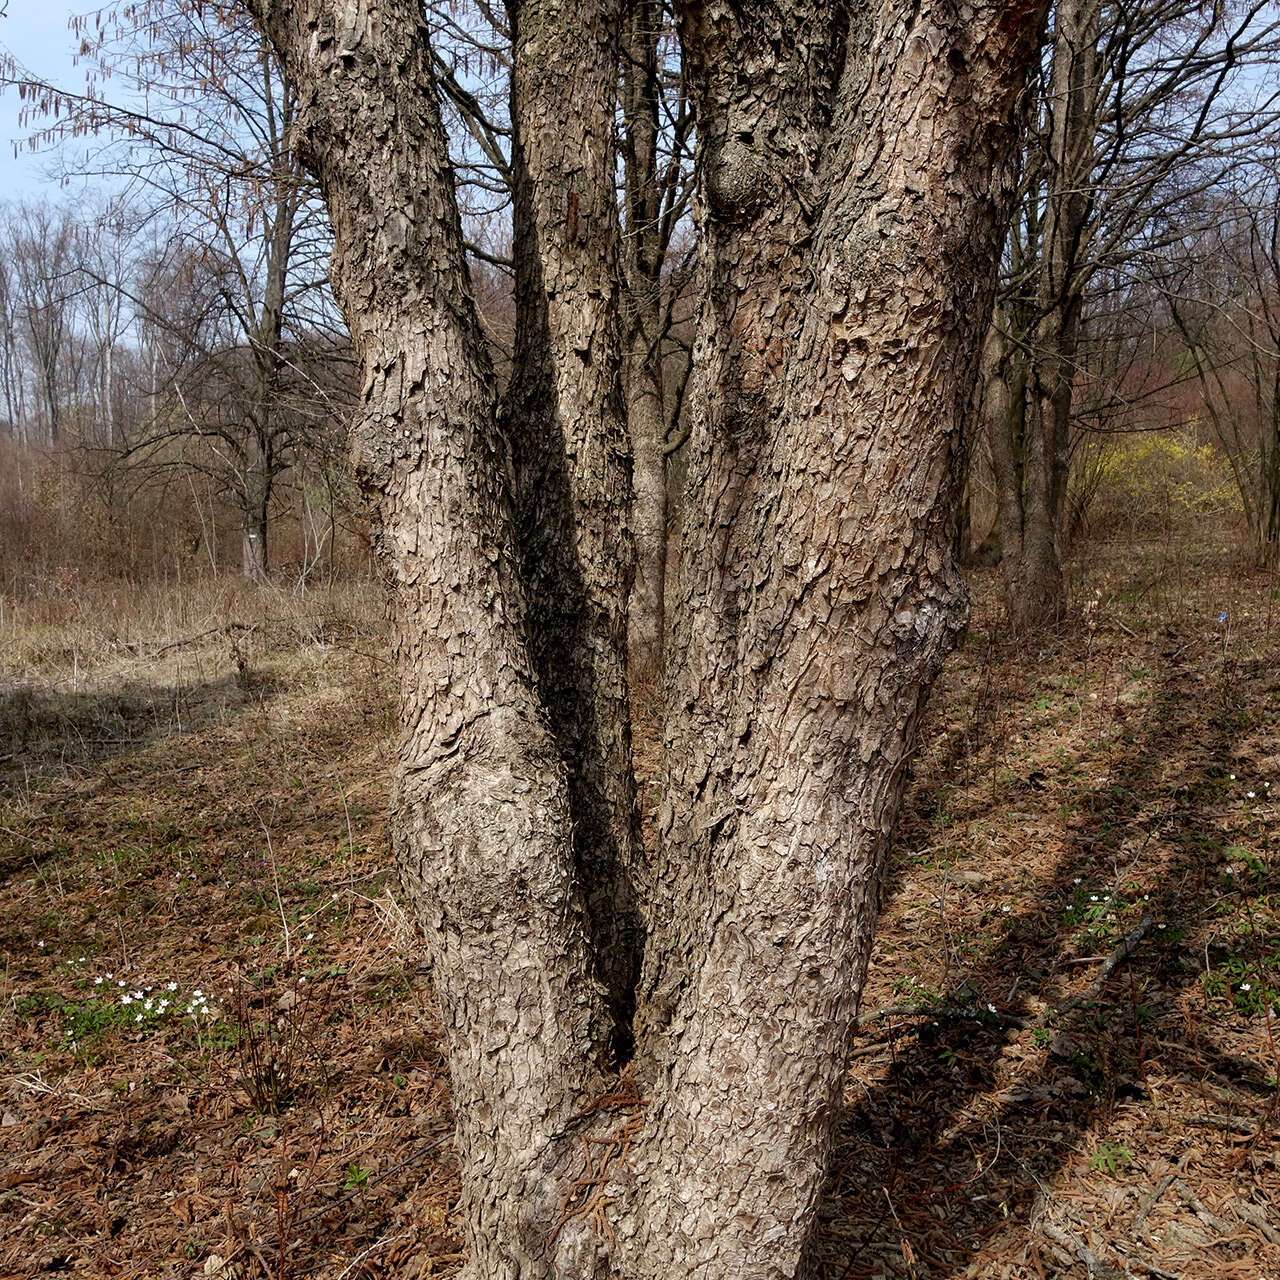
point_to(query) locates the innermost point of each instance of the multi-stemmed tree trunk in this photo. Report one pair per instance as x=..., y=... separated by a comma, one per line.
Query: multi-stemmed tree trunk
x=653, y=125
x=854, y=180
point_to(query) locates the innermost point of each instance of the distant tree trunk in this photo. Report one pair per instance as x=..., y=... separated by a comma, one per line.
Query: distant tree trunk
x=647, y=420
x=108, y=394
x=266, y=341
x=853, y=194
x=255, y=508
x=1034, y=438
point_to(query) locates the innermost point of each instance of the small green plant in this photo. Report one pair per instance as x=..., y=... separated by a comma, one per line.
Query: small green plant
x=1095, y=912
x=1214, y=984
x=1111, y=1158
x=1042, y=1037
x=357, y=1178
x=1245, y=986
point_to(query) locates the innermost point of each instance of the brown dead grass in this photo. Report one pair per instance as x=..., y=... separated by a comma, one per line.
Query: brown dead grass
x=194, y=790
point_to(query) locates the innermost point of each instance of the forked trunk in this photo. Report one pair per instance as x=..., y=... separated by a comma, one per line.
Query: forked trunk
x=854, y=181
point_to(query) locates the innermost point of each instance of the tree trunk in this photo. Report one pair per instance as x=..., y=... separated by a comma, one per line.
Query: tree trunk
x=267, y=356
x=853, y=212
x=855, y=179
x=256, y=500
x=644, y=252
x=482, y=815
x=566, y=421
x=1035, y=588
x=646, y=418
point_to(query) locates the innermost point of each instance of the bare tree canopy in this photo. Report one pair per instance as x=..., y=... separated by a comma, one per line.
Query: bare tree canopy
x=1143, y=106
x=187, y=109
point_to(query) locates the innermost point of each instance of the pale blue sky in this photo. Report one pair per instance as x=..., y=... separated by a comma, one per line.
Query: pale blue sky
x=35, y=32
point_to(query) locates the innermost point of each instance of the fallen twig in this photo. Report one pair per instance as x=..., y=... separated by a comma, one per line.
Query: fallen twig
x=203, y=635
x=1154, y=1198
x=373, y=1248
x=1256, y=1216
x=1233, y=1124
x=1092, y=1263
x=1197, y=1206
x=1126, y=947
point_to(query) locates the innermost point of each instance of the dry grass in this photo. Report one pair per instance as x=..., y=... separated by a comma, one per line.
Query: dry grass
x=194, y=791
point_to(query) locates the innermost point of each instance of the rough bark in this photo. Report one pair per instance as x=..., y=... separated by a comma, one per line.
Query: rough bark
x=565, y=419
x=644, y=248
x=482, y=818
x=855, y=177
x=855, y=172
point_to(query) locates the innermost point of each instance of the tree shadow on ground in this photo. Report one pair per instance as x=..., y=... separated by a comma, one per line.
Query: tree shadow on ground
x=944, y=1163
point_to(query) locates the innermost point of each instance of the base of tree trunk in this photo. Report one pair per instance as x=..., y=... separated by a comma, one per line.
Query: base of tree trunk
x=1035, y=602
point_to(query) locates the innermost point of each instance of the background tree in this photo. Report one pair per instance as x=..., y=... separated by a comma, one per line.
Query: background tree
x=855, y=173
x=199, y=121
x=1223, y=293
x=1140, y=109
x=40, y=255
x=656, y=123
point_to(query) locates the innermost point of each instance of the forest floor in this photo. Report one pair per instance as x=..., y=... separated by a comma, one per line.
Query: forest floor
x=1067, y=1064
